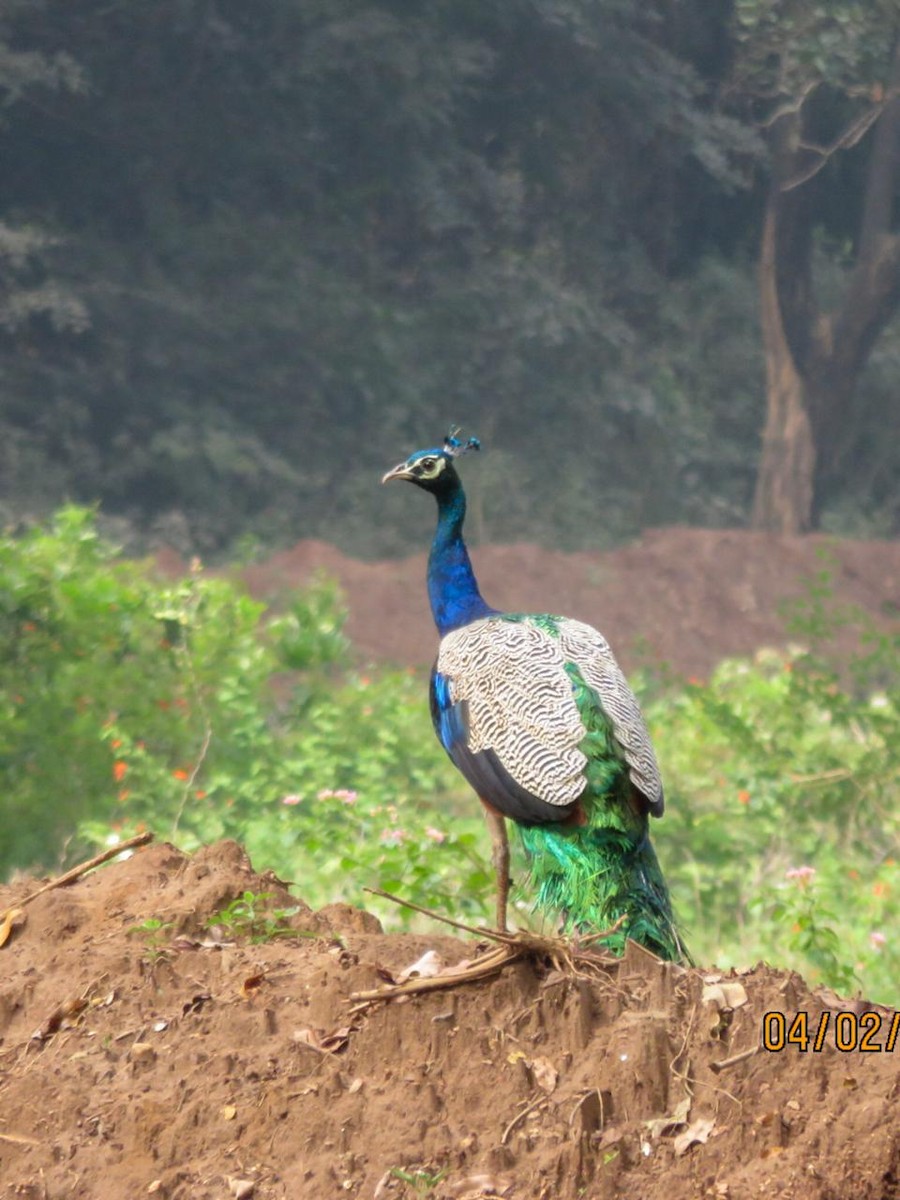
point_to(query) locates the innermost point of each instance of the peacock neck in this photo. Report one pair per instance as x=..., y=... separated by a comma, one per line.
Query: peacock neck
x=452, y=587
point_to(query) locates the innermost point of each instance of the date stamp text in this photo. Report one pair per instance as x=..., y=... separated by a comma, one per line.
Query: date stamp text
x=868, y=1032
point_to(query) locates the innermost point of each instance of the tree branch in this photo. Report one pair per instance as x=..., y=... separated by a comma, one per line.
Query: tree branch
x=854, y=133
x=881, y=180
x=871, y=299
x=787, y=243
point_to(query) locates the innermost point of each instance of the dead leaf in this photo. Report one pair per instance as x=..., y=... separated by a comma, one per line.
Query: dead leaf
x=354, y=1087
x=664, y=1125
x=183, y=942
x=735, y=994
x=324, y=1043
x=545, y=1074
x=426, y=967
x=308, y=1037
x=334, y=1042
x=695, y=1134
x=724, y=995
x=9, y=919
x=252, y=984
x=62, y=1017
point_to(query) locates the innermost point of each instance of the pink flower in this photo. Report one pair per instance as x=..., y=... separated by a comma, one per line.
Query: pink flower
x=436, y=835
x=345, y=795
x=292, y=799
x=877, y=939
x=392, y=837
x=802, y=874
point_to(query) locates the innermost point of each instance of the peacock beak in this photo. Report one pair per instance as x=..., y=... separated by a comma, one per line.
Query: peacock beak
x=401, y=471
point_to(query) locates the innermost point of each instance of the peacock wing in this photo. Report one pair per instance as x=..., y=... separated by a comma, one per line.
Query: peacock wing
x=504, y=709
x=589, y=650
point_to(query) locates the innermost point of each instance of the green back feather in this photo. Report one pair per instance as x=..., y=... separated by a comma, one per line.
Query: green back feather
x=607, y=868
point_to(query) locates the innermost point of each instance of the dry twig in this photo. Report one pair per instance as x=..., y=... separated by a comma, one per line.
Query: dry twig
x=575, y=958
x=139, y=839
x=520, y=1117
x=724, y=1063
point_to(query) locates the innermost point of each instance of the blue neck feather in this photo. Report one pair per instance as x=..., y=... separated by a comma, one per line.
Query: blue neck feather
x=452, y=587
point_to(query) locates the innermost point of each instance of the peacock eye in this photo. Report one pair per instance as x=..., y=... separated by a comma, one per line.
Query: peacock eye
x=427, y=465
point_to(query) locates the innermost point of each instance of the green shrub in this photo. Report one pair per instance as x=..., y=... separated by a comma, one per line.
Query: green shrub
x=774, y=765
x=133, y=703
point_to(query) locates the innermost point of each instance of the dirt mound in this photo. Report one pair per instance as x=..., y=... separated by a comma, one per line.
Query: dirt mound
x=686, y=597
x=183, y=1062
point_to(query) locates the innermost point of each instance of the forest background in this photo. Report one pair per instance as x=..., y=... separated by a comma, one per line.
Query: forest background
x=250, y=253
x=253, y=254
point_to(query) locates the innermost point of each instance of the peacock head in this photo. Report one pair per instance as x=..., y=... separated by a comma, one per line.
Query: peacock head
x=433, y=469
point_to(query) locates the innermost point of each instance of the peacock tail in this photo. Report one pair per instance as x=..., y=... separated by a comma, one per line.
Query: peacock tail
x=594, y=877
x=604, y=871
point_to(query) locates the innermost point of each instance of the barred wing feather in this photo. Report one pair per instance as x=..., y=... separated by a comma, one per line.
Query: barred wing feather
x=590, y=651
x=505, y=710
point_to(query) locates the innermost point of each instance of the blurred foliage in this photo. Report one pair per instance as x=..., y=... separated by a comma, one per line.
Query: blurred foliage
x=265, y=250
x=782, y=838
x=129, y=703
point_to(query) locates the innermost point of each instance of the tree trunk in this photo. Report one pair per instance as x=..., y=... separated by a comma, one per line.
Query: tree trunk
x=783, y=498
x=814, y=358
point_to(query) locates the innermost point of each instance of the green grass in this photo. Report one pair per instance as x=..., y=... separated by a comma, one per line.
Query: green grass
x=250, y=916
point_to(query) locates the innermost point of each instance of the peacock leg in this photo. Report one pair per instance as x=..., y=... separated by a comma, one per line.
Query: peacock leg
x=500, y=859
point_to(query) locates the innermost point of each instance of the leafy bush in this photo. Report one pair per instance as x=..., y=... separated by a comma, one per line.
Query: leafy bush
x=782, y=837
x=131, y=703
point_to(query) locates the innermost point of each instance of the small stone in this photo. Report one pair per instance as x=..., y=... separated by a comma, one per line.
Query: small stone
x=241, y=1189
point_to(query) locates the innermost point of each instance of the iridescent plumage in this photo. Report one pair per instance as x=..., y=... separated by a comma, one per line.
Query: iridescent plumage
x=535, y=712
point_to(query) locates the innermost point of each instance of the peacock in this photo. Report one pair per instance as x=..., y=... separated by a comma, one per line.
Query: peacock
x=535, y=712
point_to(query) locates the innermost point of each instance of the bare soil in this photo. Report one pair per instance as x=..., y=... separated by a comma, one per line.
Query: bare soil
x=191, y=1063
x=681, y=597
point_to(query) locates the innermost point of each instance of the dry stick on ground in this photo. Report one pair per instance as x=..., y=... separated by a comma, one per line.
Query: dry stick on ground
x=724, y=1063
x=139, y=839
x=512, y=947
x=520, y=1117
x=489, y=964
x=19, y=1139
